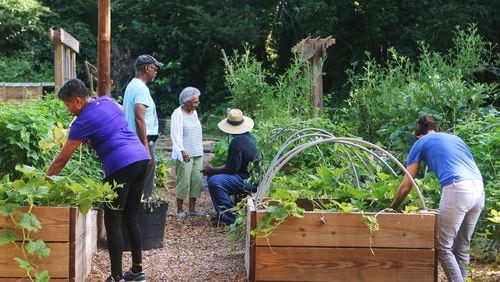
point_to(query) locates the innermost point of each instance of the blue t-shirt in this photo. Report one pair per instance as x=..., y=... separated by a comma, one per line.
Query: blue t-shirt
x=104, y=124
x=242, y=150
x=138, y=93
x=447, y=155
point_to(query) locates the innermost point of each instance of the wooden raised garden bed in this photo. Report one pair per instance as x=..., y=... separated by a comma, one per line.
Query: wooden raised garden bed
x=71, y=236
x=328, y=246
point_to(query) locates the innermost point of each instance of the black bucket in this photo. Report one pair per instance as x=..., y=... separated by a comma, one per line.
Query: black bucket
x=152, y=222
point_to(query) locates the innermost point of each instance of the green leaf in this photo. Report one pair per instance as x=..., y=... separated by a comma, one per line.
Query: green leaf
x=25, y=264
x=43, y=276
x=7, y=236
x=34, y=191
x=38, y=248
x=371, y=222
x=76, y=187
x=85, y=205
x=30, y=222
x=8, y=209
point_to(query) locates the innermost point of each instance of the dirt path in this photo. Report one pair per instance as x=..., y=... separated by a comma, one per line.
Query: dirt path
x=193, y=251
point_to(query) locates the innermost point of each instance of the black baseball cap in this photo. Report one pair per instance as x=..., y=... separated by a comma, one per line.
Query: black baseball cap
x=146, y=60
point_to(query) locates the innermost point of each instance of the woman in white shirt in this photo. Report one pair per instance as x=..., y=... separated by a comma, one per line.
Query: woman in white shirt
x=187, y=150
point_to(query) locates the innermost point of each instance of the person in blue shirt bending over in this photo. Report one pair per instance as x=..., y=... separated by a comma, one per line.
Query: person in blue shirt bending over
x=462, y=192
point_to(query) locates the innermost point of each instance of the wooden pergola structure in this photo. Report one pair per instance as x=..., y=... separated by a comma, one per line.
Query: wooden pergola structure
x=65, y=49
x=313, y=50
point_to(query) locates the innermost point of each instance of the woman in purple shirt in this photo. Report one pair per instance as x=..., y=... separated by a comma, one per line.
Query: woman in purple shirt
x=462, y=192
x=101, y=123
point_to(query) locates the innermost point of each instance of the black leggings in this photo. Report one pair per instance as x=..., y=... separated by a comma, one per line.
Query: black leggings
x=126, y=208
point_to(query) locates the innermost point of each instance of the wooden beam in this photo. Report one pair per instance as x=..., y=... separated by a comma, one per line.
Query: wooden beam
x=348, y=230
x=65, y=49
x=344, y=264
x=313, y=50
x=104, y=49
x=61, y=36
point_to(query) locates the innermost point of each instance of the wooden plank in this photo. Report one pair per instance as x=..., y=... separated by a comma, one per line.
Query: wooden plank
x=18, y=93
x=344, y=264
x=250, y=240
x=56, y=263
x=348, y=230
x=55, y=224
x=85, y=244
x=60, y=36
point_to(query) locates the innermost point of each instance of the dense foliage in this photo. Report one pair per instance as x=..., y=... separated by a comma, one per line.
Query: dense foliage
x=32, y=189
x=385, y=101
x=28, y=135
x=190, y=35
x=386, y=98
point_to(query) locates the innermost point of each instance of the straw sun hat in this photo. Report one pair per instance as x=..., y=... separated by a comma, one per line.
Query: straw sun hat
x=236, y=122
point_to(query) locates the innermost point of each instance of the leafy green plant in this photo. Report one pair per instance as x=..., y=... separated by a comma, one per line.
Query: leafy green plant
x=24, y=67
x=220, y=152
x=163, y=172
x=433, y=85
x=34, y=132
x=260, y=94
x=482, y=135
x=32, y=189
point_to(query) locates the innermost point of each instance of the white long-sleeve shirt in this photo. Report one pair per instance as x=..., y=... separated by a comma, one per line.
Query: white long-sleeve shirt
x=186, y=134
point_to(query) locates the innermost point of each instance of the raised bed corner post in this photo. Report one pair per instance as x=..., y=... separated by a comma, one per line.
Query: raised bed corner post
x=103, y=48
x=314, y=50
x=65, y=49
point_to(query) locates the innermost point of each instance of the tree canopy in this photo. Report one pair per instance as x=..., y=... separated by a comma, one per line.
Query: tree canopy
x=188, y=36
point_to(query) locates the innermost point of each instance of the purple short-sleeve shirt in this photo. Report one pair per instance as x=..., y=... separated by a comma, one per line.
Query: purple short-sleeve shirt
x=103, y=123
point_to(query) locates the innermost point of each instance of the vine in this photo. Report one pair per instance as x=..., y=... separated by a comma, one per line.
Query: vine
x=31, y=190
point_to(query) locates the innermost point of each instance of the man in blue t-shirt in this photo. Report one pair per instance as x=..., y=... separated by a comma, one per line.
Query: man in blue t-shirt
x=140, y=111
x=228, y=179
x=462, y=195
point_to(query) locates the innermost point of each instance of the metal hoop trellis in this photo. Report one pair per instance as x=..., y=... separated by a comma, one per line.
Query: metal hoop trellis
x=282, y=158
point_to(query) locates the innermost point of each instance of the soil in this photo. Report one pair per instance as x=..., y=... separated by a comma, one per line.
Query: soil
x=193, y=250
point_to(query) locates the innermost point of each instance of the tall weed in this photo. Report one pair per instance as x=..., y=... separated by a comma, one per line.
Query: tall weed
x=386, y=99
x=262, y=94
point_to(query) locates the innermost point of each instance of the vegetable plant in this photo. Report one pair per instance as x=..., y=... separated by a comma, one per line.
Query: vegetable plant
x=32, y=189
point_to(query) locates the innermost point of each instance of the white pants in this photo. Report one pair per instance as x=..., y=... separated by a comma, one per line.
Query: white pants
x=459, y=210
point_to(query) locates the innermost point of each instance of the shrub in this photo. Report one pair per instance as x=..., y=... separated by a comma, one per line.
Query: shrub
x=25, y=125
x=386, y=99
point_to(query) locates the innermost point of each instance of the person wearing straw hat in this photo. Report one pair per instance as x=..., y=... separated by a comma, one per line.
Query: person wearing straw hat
x=228, y=179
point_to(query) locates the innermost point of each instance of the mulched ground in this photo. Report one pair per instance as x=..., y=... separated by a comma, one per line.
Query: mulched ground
x=193, y=250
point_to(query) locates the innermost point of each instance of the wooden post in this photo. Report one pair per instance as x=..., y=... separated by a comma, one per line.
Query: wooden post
x=65, y=49
x=103, y=48
x=313, y=50
x=92, y=75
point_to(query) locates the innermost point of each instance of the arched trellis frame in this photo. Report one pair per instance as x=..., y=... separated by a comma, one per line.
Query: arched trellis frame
x=283, y=157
